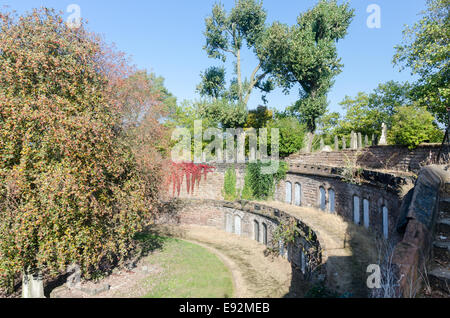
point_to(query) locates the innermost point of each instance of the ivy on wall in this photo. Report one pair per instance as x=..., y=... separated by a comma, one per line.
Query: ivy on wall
x=261, y=186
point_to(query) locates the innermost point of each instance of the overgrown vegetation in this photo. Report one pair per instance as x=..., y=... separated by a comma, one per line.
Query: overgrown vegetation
x=261, y=186
x=78, y=173
x=413, y=126
x=230, y=192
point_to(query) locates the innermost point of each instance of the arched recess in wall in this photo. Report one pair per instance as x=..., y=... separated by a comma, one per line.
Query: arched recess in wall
x=366, y=213
x=237, y=225
x=356, y=210
x=322, y=199
x=229, y=223
x=288, y=192
x=264, y=233
x=256, y=230
x=385, y=212
x=331, y=200
x=298, y=194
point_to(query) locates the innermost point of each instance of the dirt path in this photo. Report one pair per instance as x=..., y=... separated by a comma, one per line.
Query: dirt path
x=254, y=274
x=347, y=249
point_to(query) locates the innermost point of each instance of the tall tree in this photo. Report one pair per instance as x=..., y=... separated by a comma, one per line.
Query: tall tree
x=306, y=54
x=426, y=51
x=226, y=35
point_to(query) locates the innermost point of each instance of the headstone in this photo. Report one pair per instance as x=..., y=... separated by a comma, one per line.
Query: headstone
x=360, y=145
x=353, y=141
x=366, y=141
x=32, y=285
x=383, y=139
x=344, y=143
x=336, y=143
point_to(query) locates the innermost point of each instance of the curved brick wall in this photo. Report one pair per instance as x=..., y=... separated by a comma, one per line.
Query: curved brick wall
x=222, y=215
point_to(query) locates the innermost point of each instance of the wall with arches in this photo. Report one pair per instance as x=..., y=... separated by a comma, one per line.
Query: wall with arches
x=250, y=220
x=373, y=207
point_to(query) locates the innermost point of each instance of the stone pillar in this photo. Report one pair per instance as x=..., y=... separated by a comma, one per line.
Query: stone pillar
x=322, y=144
x=353, y=141
x=344, y=143
x=336, y=143
x=383, y=139
x=32, y=285
x=366, y=141
x=360, y=145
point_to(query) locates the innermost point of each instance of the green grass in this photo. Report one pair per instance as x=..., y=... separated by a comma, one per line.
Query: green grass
x=190, y=271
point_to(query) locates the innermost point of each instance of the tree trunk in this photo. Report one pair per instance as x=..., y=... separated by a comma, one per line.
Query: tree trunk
x=309, y=142
x=32, y=284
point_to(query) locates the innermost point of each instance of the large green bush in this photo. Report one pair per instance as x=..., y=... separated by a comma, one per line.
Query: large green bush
x=412, y=126
x=292, y=135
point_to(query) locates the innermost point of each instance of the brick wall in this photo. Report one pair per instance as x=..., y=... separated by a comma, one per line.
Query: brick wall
x=395, y=158
x=211, y=188
x=344, y=196
x=223, y=215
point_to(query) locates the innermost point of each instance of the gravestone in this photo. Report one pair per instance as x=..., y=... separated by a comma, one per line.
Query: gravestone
x=336, y=143
x=360, y=145
x=353, y=141
x=383, y=139
x=32, y=285
x=366, y=141
x=344, y=143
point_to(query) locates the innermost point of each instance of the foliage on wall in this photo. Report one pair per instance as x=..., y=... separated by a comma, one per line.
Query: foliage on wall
x=190, y=172
x=229, y=191
x=262, y=186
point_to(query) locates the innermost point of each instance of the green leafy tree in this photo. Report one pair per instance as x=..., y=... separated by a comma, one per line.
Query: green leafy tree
x=426, y=52
x=306, y=54
x=413, y=126
x=227, y=34
x=292, y=135
x=365, y=113
x=213, y=83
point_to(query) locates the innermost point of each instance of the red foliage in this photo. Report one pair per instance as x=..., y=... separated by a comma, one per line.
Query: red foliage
x=193, y=175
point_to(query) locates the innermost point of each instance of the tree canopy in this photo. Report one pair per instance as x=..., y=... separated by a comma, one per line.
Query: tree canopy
x=426, y=52
x=306, y=54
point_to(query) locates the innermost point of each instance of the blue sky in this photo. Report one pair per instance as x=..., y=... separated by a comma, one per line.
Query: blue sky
x=166, y=37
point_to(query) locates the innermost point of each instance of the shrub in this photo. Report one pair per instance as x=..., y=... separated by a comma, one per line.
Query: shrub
x=230, y=192
x=263, y=185
x=292, y=135
x=70, y=182
x=412, y=126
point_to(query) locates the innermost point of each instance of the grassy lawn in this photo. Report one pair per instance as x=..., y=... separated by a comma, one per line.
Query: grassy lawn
x=190, y=271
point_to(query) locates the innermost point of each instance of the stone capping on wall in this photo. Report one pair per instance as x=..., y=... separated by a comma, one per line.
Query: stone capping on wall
x=395, y=158
x=277, y=216
x=383, y=180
